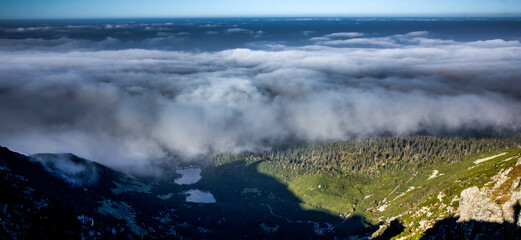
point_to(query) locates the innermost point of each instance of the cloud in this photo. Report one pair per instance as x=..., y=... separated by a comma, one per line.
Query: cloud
x=68, y=167
x=236, y=30
x=375, y=42
x=211, y=32
x=344, y=35
x=28, y=29
x=208, y=25
x=355, y=39
x=137, y=107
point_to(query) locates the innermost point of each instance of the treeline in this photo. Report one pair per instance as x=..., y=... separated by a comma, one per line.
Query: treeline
x=376, y=156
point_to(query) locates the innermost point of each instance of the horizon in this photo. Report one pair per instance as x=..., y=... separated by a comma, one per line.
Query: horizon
x=295, y=18
x=59, y=9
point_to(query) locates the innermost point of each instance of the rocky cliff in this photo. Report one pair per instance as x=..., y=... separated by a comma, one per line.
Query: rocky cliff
x=497, y=202
x=489, y=212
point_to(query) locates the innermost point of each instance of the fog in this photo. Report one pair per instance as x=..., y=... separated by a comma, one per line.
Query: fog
x=68, y=167
x=133, y=107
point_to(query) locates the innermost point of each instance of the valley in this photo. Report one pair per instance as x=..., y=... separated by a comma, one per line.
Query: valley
x=381, y=188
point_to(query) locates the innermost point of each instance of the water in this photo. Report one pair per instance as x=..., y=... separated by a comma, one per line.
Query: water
x=191, y=176
x=188, y=176
x=198, y=196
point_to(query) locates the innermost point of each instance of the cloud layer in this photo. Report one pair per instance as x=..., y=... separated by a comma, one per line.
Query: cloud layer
x=131, y=107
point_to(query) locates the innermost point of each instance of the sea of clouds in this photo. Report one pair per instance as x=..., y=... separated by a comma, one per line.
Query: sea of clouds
x=131, y=107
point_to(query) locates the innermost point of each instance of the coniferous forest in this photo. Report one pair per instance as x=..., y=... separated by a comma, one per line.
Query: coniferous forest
x=376, y=156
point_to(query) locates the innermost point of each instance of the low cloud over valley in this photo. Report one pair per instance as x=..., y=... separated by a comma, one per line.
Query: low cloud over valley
x=132, y=106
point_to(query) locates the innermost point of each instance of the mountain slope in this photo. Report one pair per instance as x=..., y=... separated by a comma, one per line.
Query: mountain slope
x=61, y=196
x=256, y=196
x=482, y=188
x=38, y=201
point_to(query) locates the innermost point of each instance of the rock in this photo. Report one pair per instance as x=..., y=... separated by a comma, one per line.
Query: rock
x=480, y=205
x=476, y=206
x=516, y=184
x=468, y=199
x=501, y=178
x=487, y=212
x=509, y=207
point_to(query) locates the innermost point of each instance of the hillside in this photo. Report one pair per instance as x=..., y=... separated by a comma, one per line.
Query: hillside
x=418, y=194
x=401, y=188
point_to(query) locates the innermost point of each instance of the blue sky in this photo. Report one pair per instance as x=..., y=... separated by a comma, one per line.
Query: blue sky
x=51, y=9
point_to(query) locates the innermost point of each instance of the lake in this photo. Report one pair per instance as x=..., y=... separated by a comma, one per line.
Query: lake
x=198, y=196
x=188, y=176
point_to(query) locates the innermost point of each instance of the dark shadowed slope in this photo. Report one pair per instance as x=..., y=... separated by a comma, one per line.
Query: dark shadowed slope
x=61, y=196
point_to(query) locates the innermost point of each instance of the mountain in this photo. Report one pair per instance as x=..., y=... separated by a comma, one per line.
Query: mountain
x=62, y=196
x=449, y=189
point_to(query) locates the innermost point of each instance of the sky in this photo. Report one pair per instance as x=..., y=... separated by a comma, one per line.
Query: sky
x=66, y=9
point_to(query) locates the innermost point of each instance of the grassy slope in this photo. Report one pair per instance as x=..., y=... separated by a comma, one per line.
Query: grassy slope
x=382, y=198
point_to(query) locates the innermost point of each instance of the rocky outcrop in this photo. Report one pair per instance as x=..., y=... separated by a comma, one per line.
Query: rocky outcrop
x=476, y=206
x=497, y=204
x=489, y=212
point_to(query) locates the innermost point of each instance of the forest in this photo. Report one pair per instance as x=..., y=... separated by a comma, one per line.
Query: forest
x=374, y=156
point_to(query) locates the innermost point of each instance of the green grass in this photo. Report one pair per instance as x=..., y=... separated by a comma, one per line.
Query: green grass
x=337, y=193
x=404, y=193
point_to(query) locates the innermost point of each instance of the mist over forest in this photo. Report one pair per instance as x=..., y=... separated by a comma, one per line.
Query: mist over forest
x=130, y=93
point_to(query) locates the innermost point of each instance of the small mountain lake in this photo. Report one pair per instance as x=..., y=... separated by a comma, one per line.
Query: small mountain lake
x=188, y=176
x=198, y=196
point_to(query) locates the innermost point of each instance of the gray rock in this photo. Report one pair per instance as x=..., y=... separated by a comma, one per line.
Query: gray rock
x=476, y=206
